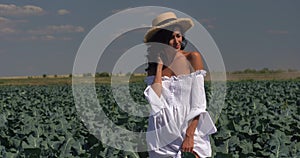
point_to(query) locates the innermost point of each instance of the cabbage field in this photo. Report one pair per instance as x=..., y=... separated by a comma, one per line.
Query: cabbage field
x=260, y=119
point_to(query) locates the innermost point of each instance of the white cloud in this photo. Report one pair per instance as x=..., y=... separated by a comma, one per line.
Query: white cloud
x=48, y=37
x=209, y=23
x=9, y=26
x=44, y=38
x=63, y=12
x=7, y=30
x=9, y=22
x=13, y=10
x=211, y=26
x=135, y=11
x=58, y=29
x=4, y=20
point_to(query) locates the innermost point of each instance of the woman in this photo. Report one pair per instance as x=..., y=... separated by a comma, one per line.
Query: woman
x=179, y=121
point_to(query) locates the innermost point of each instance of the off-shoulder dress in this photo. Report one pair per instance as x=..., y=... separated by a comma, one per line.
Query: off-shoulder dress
x=182, y=99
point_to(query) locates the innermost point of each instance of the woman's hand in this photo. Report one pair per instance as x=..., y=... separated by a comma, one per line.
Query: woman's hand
x=188, y=144
x=157, y=83
x=159, y=61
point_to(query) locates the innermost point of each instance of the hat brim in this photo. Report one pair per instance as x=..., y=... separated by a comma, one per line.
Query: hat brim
x=184, y=23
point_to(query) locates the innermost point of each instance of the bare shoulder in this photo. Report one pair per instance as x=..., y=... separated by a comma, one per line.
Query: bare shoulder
x=195, y=59
x=193, y=55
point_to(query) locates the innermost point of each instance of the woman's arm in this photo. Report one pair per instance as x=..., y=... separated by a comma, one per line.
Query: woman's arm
x=195, y=60
x=157, y=83
x=188, y=143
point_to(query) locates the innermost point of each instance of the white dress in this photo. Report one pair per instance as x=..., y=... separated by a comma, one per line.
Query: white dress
x=182, y=99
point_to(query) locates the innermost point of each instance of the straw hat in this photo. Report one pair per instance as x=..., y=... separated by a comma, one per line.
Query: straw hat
x=165, y=20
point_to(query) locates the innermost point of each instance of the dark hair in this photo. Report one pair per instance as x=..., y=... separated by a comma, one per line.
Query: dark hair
x=162, y=36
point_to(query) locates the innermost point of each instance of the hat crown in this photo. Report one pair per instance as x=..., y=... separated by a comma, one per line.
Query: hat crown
x=164, y=17
x=165, y=20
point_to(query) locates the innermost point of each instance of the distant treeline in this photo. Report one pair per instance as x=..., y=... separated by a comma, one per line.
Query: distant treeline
x=108, y=74
x=262, y=71
x=97, y=74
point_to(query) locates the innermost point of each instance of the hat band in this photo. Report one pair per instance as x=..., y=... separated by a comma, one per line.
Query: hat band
x=165, y=21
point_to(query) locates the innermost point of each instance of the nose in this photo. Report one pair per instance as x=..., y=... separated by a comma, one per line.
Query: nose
x=176, y=40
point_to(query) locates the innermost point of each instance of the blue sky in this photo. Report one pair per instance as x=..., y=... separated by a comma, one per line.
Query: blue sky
x=42, y=37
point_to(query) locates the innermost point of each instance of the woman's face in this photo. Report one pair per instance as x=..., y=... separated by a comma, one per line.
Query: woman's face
x=176, y=39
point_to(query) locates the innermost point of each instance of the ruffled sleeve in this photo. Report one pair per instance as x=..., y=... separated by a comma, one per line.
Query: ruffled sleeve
x=198, y=105
x=156, y=102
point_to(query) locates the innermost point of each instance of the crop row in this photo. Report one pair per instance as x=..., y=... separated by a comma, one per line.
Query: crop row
x=259, y=119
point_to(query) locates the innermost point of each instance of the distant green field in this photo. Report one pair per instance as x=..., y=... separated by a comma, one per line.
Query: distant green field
x=260, y=119
x=61, y=81
x=140, y=78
